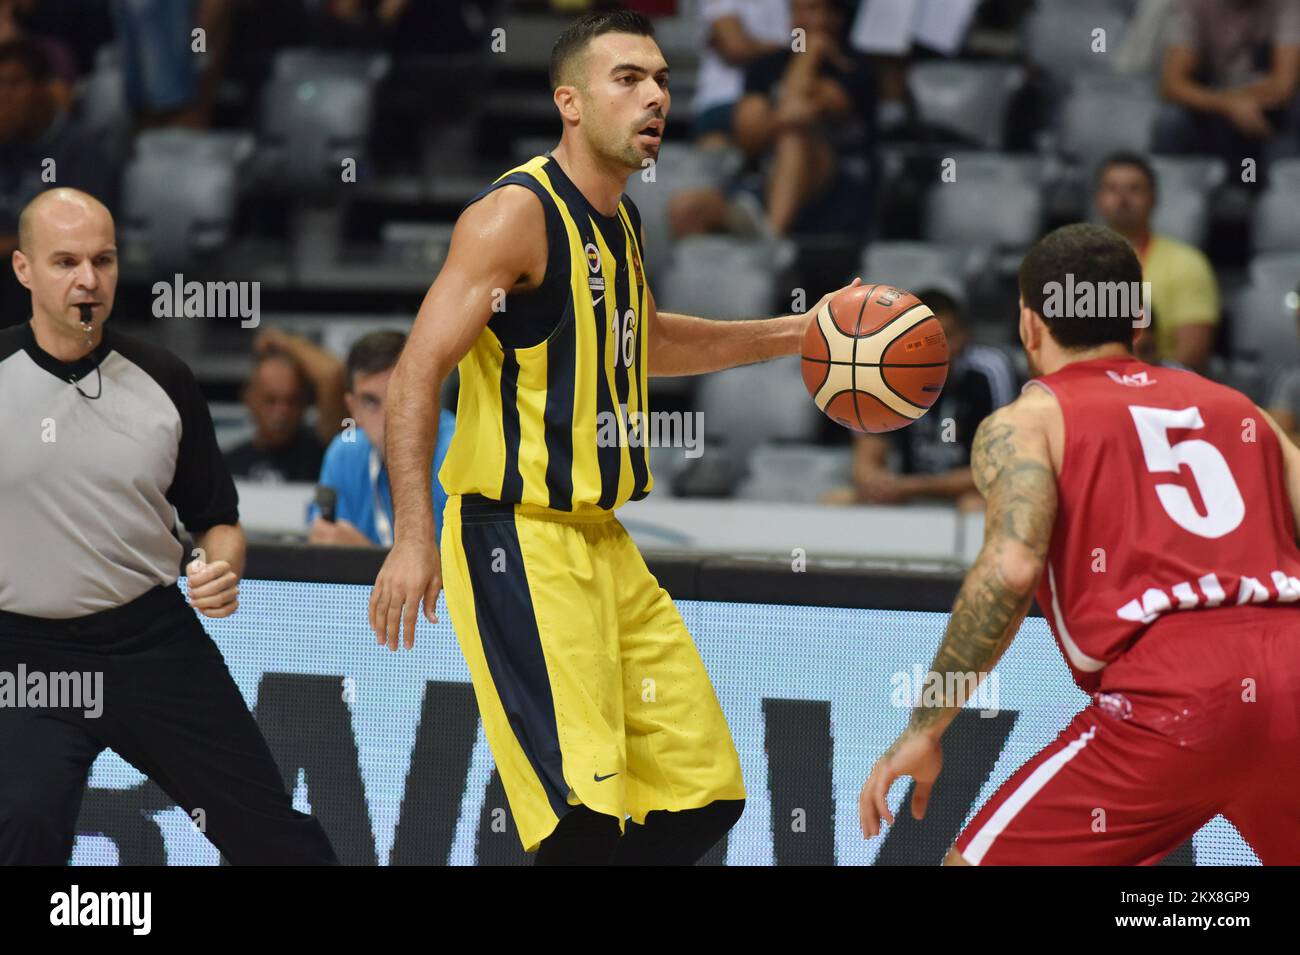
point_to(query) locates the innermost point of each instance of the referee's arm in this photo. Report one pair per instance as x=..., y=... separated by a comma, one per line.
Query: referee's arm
x=203, y=493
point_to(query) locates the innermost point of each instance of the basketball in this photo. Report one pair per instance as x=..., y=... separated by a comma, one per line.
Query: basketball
x=875, y=358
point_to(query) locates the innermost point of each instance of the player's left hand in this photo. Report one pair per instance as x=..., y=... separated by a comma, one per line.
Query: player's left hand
x=213, y=588
x=913, y=754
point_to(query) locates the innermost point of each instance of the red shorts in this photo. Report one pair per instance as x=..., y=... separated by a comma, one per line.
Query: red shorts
x=1200, y=717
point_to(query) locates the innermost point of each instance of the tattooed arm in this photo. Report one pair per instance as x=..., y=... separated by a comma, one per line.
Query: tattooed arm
x=1012, y=466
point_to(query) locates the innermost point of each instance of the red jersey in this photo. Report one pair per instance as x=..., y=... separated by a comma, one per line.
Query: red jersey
x=1171, y=497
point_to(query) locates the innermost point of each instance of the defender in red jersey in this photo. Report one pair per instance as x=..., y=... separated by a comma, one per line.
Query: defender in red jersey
x=1155, y=514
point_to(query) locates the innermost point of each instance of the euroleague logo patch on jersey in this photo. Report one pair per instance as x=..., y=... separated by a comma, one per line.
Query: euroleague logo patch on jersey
x=595, y=281
x=1139, y=380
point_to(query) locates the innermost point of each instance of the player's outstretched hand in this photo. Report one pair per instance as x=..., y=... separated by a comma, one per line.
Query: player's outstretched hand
x=913, y=754
x=412, y=573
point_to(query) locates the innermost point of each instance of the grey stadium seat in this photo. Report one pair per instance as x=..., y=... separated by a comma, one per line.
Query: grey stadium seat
x=965, y=98
x=1276, y=225
x=1264, y=333
x=231, y=145
x=308, y=127
x=304, y=63
x=795, y=472
x=918, y=265
x=991, y=213
x=1105, y=113
x=1276, y=268
x=1058, y=38
x=171, y=227
x=754, y=404
x=726, y=277
x=1205, y=173
x=316, y=111
x=1183, y=213
x=102, y=106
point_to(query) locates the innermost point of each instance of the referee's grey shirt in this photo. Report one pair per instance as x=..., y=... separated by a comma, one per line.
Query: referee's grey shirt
x=90, y=486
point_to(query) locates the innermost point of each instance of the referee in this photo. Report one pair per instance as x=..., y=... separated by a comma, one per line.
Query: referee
x=104, y=435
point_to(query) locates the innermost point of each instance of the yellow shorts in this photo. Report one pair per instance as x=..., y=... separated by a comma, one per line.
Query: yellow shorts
x=589, y=685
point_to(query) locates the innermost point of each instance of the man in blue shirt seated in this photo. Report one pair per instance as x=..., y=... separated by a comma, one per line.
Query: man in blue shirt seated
x=354, y=461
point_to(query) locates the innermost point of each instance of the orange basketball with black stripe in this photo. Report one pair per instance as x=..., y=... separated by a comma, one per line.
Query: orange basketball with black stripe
x=875, y=358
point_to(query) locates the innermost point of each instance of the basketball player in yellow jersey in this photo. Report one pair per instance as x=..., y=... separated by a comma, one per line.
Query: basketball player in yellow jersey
x=601, y=718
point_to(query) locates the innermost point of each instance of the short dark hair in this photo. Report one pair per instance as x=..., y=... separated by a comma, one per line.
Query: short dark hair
x=1092, y=254
x=30, y=55
x=1126, y=158
x=586, y=28
x=372, y=353
x=940, y=302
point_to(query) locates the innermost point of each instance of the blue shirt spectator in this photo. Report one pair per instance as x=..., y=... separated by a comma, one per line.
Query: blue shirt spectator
x=360, y=479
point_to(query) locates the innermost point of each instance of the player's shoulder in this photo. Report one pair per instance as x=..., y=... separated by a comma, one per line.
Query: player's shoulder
x=507, y=205
x=505, y=225
x=1032, y=415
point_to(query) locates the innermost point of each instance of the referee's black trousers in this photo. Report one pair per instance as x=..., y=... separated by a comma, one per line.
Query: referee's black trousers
x=170, y=708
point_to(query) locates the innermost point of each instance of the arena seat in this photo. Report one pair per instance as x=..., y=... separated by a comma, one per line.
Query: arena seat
x=795, y=472
x=1276, y=268
x=1058, y=38
x=316, y=111
x=1276, y=223
x=725, y=277
x=1264, y=334
x=1105, y=113
x=990, y=211
x=754, y=404
x=968, y=99
x=168, y=228
x=919, y=265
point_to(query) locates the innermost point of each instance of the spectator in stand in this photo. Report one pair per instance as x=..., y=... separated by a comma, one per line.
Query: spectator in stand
x=169, y=80
x=934, y=452
x=1230, y=75
x=807, y=117
x=1184, y=293
x=290, y=374
x=41, y=147
x=354, y=462
x=736, y=32
x=14, y=25
x=889, y=30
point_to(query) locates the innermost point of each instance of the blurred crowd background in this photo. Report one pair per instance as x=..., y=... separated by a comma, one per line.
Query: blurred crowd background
x=323, y=148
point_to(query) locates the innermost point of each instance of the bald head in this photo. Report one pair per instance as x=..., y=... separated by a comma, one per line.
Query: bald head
x=67, y=259
x=57, y=212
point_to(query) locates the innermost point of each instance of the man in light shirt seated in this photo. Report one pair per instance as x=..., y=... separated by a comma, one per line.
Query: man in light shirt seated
x=1184, y=292
x=354, y=463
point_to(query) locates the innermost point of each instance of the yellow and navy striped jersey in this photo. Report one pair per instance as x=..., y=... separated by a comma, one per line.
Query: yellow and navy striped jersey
x=552, y=407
